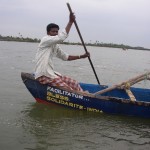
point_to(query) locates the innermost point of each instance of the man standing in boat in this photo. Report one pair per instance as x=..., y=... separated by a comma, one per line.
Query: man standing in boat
x=49, y=48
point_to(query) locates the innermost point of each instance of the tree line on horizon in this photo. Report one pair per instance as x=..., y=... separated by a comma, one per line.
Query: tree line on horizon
x=18, y=39
x=97, y=43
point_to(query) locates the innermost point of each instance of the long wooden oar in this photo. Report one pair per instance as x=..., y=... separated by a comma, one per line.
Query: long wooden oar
x=83, y=44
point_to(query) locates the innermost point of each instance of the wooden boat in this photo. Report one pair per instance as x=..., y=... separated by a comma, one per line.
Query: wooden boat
x=119, y=99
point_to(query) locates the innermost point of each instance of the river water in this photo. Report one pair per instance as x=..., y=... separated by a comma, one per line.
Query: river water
x=24, y=124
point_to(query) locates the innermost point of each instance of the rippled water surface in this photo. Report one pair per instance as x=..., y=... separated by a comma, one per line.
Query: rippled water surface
x=24, y=124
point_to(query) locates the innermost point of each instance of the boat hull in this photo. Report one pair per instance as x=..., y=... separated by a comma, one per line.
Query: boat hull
x=108, y=104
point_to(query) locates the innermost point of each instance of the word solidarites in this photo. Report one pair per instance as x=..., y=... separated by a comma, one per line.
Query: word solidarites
x=64, y=100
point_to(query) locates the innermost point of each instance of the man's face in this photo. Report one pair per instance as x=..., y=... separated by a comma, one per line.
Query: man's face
x=53, y=32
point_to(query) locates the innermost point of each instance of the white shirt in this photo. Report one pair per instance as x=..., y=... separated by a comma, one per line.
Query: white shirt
x=47, y=49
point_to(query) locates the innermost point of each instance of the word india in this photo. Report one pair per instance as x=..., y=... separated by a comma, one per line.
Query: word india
x=58, y=91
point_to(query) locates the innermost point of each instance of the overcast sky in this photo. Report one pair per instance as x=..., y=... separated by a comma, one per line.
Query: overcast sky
x=107, y=21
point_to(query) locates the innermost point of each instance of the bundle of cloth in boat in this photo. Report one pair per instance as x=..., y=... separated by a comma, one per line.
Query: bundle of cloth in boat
x=61, y=81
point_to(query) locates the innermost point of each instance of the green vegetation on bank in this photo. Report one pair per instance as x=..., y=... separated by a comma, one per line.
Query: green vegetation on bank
x=111, y=45
x=18, y=39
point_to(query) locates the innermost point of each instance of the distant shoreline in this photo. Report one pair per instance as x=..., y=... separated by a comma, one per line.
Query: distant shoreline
x=110, y=45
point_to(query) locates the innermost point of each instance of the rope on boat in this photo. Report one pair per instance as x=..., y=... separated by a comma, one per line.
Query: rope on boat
x=126, y=85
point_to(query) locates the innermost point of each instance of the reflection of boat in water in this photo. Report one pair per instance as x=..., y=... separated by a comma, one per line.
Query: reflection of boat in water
x=38, y=111
x=115, y=100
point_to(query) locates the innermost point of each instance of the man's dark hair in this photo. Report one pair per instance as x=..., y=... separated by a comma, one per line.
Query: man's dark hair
x=52, y=25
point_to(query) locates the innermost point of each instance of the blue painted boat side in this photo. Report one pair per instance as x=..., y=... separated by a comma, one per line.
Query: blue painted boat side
x=61, y=97
x=113, y=105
